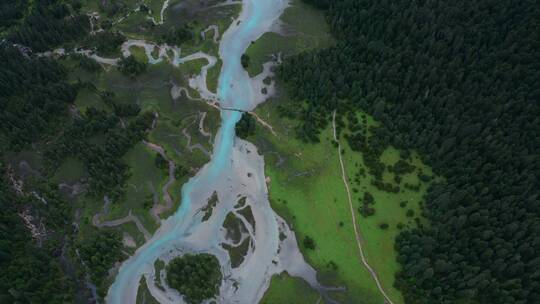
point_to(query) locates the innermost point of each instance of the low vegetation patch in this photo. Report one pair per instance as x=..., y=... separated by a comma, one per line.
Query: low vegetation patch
x=238, y=253
x=209, y=208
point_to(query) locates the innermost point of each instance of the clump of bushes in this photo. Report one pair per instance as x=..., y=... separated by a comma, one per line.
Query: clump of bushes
x=196, y=277
x=131, y=67
x=309, y=243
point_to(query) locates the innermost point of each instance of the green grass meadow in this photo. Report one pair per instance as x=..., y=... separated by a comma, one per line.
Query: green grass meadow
x=285, y=289
x=307, y=189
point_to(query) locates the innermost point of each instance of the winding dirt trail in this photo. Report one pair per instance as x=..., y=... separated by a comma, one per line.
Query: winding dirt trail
x=264, y=123
x=257, y=117
x=353, y=218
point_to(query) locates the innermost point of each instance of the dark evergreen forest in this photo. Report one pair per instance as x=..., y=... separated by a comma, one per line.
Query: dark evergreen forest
x=35, y=100
x=43, y=24
x=458, y=81
x=32, y=273
x=34, y=96
x=11, y=11
x=40, y=259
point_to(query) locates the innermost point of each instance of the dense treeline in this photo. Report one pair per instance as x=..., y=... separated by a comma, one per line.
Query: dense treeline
x=106, y=43
x=100, y=252
x=48, y=24
x=322, y=4
x=244, y=60
x=245, y=126
x=32, y=273
x=458, y=81
x=33, y=97
x=11, y=11
x=178, y=35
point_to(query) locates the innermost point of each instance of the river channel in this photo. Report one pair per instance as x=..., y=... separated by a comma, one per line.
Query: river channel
x=235, y=176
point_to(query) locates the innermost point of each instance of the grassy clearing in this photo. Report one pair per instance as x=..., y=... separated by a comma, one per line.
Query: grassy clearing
x=137, y=26
x=90, y=5
x=87, y=98
x=144, y=183
x=285, y=289
x=379, y=243
x=139, y=54
x=155, y=7
x=304, y=28
x=193, y=67
x=306, y=187
x=309, y=21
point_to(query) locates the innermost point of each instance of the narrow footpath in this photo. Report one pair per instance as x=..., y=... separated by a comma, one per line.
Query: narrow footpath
x=353, y=218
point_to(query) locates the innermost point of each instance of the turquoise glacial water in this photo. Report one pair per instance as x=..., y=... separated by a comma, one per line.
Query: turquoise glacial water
x=175, y=235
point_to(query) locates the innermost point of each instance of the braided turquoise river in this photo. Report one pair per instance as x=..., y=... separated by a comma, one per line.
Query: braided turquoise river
x=235, y=171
